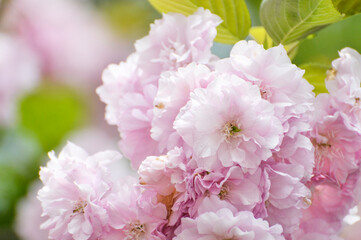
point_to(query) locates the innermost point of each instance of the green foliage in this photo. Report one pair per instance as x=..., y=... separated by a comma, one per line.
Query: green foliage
x=253, y=7
x=324, y=46
x=50, y=113
x=315, y=75
x=130, y=25
x=234, y=13
x=348, y=7
x=287, y=21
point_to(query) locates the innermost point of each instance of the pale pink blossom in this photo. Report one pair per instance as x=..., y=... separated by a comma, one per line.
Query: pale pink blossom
x=337, y=147
x=229, y=123
x=287, y=198
x=330, y=203
x=176, y=40
x=129, y=105
x=343, y=84
x=173, y=93
x=223, y=224
x=236, y=190
x=75, y=185
x=344, y=78
x=19, y=73
x=281, y=83
x=316, y=229
x=119, y=79
x=164, y=174
x=129, y=89
x=136, y=113
x=134, y=214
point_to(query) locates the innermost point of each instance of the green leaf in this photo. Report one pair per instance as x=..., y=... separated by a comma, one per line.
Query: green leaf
x=50, y=113
x=260, y=35
x=234, y=13
x=287, y=21
x=324, y=47
x=348, y=7
x=315, y=75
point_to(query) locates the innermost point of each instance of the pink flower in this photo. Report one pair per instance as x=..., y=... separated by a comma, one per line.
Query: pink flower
x=129, y=89
x=281, y=83
x=135, y=117
x=344, y=79
x=223, y=224
x=177, y=40
x=228, y=123
x=119, y=79
x=236, y=190
x=75, y=186
x=287, y=197
x=19, y=72
x=337, y=147
x=133, y=214
x=316, y=229
x=164, y=174
x=343, y=84
x=330, y=203
x=173, y=93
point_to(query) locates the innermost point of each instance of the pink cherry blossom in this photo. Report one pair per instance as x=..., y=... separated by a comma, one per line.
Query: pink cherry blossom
x=129, y=89
x=236, y=190
x=173, y=93
x=135, y=215
x=164, y=174
x=177, y=40
x=223, y=224
x=343, y=84
x=228, y=123
x=75, y=186
x=281, y=83
x=337, y=147
x=287, y=197
x=330, y=203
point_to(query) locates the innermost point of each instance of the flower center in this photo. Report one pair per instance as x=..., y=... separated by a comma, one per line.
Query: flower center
x=265, y=93
x=223, y=193
x=135, y=231
x=322, y=149
x=357, y=101
x=331, y=74
x=231, y=130
x=79, y=206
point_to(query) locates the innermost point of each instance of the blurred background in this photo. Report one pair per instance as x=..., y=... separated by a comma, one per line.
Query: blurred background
x=52, y=53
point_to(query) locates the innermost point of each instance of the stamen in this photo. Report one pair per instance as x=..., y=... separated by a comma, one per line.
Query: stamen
x=331, y=74
x=230, y=130
x=135, y=231
x=159, y=105
x=79, y=206
x=223, y=193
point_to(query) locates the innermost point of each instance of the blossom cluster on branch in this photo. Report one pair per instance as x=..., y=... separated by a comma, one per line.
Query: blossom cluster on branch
x=234, y=148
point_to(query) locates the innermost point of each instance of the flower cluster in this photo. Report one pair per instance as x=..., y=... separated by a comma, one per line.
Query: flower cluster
x=234, y=148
